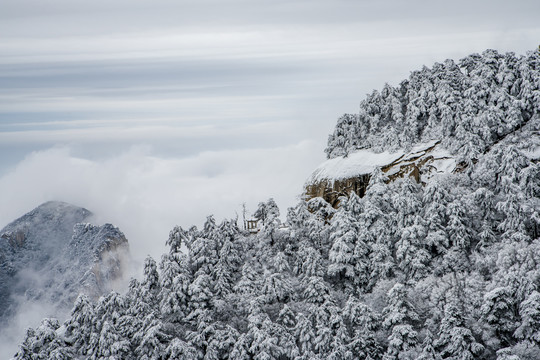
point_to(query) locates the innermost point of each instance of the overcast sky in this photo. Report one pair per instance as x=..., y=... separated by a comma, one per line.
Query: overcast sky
x=156, y=113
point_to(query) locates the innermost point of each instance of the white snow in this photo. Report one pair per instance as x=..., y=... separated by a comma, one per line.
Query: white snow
x=423, y=146
x=443, y=161
x=533, y=154
x=364, y=161
x=358, y=163
x=444, y=165
x=61, y=332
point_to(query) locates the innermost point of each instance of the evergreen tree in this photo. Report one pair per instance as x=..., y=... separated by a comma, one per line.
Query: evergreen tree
x=177, y=237
x=364, y=323
x=152, y=340
x=225, y=272
x=240, y=350
x=79, y=326
x=340, y=339
x=410, y=251
x=201, y=293
x=179, y=350
x=499, y=311
x=344, y=238
x=317, y=291
x=150, y=284
x=268, y=214
x=428, y=351
x=265, y=344
x=111, y=343
x=456, y=341
x=309, y=262
x=287, y=318
x=175, y=281
x=305, y=335
x=529, y=310
x=276, y=287
x=249, y=281
x=43, y=343
x=399, y=317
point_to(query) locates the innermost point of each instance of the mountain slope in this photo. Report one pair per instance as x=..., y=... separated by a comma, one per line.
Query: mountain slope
x=447, y=268
x=50, y=255
x=463, y=108
x=468, y=105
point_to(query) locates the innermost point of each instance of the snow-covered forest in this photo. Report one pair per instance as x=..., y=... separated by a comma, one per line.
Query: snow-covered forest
x=446, y=269
x=469, y=105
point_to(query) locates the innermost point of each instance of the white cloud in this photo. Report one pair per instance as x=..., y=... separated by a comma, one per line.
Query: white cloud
x=146, y=195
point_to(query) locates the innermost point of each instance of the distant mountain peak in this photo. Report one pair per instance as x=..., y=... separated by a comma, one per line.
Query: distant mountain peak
x=58, y=209
x=54, y=244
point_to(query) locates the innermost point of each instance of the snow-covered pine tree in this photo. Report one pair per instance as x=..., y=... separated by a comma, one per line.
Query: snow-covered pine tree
x=456, y=340
x=399, y=317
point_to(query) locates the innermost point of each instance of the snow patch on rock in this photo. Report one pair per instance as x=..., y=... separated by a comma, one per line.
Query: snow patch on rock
x=365, y=161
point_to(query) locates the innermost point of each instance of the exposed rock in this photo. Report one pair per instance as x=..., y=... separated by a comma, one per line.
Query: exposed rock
x=352, y=173
x=101, y=250
x=51, y=255
x=331, y=191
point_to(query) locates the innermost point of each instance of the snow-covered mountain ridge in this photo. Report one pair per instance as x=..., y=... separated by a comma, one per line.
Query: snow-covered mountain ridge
x=51, y=255
x=453, y=112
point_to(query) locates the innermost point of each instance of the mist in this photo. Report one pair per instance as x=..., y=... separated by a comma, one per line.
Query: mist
x=28, y=315
x=146, y=195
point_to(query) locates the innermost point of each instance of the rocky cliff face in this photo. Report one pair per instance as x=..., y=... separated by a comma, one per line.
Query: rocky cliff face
x=343, y=175
x=50, y=255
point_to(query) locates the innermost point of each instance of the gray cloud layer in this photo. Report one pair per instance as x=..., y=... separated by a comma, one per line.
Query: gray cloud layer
x=112, y=72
